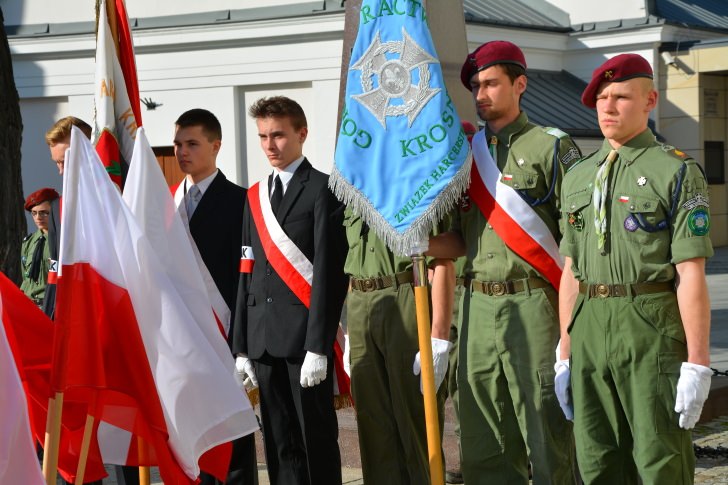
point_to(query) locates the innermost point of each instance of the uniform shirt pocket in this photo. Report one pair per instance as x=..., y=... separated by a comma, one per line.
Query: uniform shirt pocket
x=640, y=217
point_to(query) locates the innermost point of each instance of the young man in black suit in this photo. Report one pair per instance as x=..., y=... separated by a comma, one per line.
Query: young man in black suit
x=214, y=208
x=289, y=301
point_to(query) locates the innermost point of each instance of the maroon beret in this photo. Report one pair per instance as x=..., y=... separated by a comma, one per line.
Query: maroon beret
x=617, y=69
x=488, y=54
x=40, y=196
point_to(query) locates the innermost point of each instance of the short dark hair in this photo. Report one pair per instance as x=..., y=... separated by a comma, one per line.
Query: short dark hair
x=279, y=107
x=201, y=117
x=61, y=130
x=513, y=71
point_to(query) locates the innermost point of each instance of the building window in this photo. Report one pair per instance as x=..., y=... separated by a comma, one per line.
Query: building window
x=715, y=162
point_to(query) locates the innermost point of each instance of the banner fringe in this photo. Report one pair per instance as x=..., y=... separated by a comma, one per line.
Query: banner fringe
x=420, y=229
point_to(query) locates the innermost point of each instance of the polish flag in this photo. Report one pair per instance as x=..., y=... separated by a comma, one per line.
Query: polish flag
x=127, y=343
x=18, y=461
x=29, y=332
x=147, y=195
x=116, y=91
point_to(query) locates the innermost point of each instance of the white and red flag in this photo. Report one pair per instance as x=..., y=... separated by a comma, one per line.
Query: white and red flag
x=127, y=342
x=116, y=92
x=18, y=461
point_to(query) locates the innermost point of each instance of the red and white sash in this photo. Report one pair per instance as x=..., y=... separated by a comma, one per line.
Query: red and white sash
x=222, y=312
x=290, y=263
x=511, y=217
x=292, y=266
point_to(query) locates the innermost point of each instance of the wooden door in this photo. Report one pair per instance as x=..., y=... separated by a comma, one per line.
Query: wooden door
x=168, y=163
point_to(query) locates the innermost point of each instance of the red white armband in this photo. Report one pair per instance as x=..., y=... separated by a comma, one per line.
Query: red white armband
x=247, y=259
x=52, y=271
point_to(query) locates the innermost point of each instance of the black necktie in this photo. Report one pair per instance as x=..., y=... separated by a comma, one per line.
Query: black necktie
x=37, y=258
x=275, y=199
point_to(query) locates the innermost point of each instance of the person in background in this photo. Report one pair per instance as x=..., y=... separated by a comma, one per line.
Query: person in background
x=454, y=475
x=214, y=208
x=58, y=138
x=34, y=254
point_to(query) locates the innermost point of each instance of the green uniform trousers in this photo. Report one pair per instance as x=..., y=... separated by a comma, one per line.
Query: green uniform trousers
x=625, y=363
x=508, y=409
x=452, y=375
x=390, y=414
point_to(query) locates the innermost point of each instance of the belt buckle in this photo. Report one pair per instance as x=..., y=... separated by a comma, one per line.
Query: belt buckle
x=498, y=289
x=602, y=290
x=368, y=284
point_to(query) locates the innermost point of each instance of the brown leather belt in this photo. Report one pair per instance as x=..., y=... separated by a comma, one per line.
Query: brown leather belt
x=603, y=290
x=460, y=281
x=381, y=282
x=500, y=288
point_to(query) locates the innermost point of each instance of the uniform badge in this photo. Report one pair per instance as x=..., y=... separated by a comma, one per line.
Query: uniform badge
x=576, y=220
x=630, y=223
x=465, y=204
x=570, y=155
x=520, y=162
x=642, y=181
x=697, y=201
x=699, y=221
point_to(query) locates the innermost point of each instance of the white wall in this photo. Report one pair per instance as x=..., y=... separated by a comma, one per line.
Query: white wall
x=586, y=11
x=29, y=12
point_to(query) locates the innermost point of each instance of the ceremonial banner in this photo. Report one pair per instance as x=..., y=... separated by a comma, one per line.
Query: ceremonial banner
x=116, y=91
x=18, y=461
x=402, y=159
x=119, y=310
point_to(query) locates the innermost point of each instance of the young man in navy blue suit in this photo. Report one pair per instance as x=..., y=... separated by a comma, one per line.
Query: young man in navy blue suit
x=215, y=214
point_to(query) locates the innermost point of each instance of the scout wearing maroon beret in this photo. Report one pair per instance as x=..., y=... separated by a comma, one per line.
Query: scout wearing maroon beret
x=634, y=361
x=34, y=254
x=507, y=416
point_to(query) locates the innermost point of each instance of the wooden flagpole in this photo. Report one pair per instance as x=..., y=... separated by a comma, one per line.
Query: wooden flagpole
x=429, y=393
x=85, y=443
x=52, y=438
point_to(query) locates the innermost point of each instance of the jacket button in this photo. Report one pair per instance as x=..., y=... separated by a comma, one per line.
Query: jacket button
x=268, y=271
x=269, y=300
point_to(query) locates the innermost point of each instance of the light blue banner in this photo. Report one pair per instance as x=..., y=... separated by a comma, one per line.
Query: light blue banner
x=402, y=159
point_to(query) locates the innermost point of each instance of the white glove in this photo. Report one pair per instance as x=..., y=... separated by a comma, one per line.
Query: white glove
x=347, y=357
x=692, y=391
x=244, y=373
x=440, y=352
x=418, y=247
x=562, y=387
x=313, y=370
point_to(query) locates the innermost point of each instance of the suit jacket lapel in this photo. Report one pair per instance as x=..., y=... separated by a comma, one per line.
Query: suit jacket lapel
x=208, y=198
x=295, y=187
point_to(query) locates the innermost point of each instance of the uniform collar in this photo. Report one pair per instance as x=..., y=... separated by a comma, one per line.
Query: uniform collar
x=630, y=151
x=504, y=136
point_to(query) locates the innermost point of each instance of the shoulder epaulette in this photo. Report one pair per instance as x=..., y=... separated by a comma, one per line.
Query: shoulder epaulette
x=555, y=132
x=671, y=150
x=27, y=237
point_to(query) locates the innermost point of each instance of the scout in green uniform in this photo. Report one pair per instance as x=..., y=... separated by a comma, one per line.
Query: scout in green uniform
x=383, y=345
x=633, y=294
x=508, y=319
x=34, y=253
x=455, y=475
